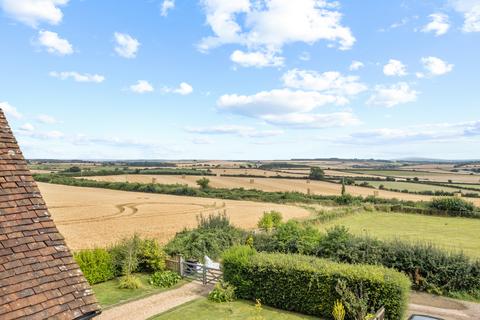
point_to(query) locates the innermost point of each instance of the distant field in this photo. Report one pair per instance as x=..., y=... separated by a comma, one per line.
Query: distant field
x=98, y=217
x=415, y=187
x=423, y=175
x=471, y=186
x=449, y=233
x=265, y=184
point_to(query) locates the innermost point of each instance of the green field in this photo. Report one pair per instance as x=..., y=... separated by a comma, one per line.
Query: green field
x=396, y=173
x=202, y=309
x=413, y=187
x=453, y=234
x=109, y=294
x=471, y=186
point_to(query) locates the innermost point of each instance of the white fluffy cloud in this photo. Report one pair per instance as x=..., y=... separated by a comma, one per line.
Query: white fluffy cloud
x=142, y=86
x=331, y=82
x=313, y=120
x=33, y=12
x=436, y=66
x=256, y=59
x=390, y=96
x=278, y=101
x=10, y=110
x=471, y=12
x=27, y=127
x=395, y=68
x=167, y=5
x=53, y=43
x=78, y=77
x=439, y=24
x=356, y=65
x=242, y=131
x=295, y=105
x=263, y=28
x=45, y=118
x=126, y=45
x=421, y=133
x=182, y=89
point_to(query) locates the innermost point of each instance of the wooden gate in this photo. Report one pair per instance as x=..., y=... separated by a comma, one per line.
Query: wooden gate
x=194, y=271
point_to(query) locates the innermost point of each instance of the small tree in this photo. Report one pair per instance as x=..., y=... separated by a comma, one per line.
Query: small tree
x=270, y=220
x=343, y=187
x=203, y=183
x=316, y=173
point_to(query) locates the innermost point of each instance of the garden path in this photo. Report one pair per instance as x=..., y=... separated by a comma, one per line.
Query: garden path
x=148, y=307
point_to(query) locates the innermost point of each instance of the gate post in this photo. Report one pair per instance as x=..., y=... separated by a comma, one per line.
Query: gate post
x=204, y=275
x=180, y=265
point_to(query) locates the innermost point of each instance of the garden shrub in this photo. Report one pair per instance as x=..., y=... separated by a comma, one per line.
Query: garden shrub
x=307, y=284
x=212, y=236
x=164, y=279
x=135, y=254
x=293, y=237
x=151, y=256
x=130, y=281
x=96, y=265
x=223, y=292
x=270, y=220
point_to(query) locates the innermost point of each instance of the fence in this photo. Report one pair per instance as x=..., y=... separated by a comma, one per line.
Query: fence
x=194, y=271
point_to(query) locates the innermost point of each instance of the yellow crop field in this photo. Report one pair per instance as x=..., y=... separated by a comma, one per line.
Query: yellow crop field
x=96, y=217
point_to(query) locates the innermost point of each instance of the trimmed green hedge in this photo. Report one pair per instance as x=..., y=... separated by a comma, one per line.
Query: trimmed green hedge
x=308, y=285
x=96, y=265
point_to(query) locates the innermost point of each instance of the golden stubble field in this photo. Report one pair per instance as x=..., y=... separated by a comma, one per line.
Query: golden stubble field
x=97, y=217
x=265, y=184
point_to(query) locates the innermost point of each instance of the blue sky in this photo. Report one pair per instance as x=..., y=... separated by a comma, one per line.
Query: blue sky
x=242, y=79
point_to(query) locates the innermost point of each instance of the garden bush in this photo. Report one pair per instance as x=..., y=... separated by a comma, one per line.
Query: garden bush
x=135, y=254
x=164, y=279
x=308, y=285
x=270, y=220
x=293, y=237
x=151, y=256
x=223, y=292
x=213, y=235
x=129, y=281
x=96, y=265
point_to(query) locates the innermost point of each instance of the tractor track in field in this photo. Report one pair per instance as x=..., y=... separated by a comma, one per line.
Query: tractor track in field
x=129, y=210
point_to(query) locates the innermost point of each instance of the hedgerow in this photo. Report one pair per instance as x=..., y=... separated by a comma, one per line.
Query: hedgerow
x=256, y=195
x=309, y=285
x=430, y=269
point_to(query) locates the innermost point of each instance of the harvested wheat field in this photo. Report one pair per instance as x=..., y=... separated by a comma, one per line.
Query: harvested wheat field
x=267, y=184
x=90, y=217
x=257, y=172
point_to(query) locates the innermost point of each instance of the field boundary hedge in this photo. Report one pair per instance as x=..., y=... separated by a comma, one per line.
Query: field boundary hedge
x=308, y=285
x=418, y=207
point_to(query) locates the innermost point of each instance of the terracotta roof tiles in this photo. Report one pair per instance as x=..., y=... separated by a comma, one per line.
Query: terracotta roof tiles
x=38, y=277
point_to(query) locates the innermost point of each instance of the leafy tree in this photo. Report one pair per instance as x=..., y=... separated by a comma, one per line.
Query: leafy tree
x=270, y=220
x=203, y=183
x=316, y=173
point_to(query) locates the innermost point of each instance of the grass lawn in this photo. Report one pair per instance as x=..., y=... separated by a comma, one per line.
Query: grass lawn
x=446, y=232
x=202, y=309
x=109, y=294
x=415, y=187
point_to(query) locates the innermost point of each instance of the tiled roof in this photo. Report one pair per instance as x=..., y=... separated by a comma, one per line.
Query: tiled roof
x=38, y=277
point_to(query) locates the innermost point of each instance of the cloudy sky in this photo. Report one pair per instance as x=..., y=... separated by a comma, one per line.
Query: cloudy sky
x=242, y=79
